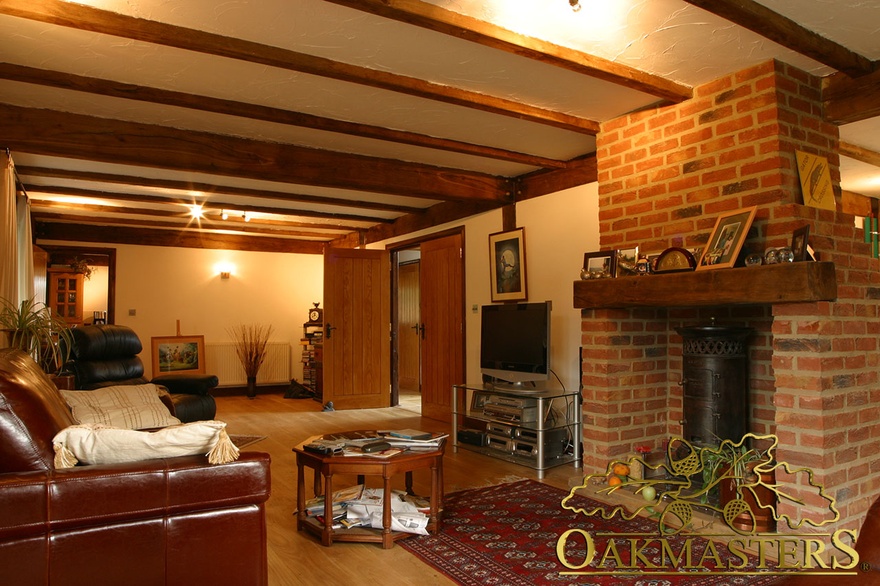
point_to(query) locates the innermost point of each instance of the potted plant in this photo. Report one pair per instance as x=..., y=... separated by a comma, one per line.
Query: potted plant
x=250, y=346
x=744, y=475
x=31, y=327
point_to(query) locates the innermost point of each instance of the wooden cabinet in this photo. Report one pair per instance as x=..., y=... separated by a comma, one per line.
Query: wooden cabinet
x=66, y=295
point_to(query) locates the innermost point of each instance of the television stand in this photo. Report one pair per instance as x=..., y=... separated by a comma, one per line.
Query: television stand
x=537, y=428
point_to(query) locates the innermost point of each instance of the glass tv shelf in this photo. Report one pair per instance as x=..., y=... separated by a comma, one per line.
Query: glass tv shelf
x=537, y=429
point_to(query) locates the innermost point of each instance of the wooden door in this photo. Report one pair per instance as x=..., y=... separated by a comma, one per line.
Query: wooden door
x=442, y=311
x=357, y=328
x=408, y=334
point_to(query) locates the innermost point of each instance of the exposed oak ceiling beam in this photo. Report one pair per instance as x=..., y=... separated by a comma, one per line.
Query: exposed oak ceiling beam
x=129, y=91
x=210, y=189
x=438, y=19
x=48, y=132
x=82, y=17
x=174, y=238
x=848, y=100
x=780, y=29
x=163, y=199
x=859, y=153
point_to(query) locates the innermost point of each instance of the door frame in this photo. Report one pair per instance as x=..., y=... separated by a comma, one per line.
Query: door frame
x=105, y=257
x=395, y=249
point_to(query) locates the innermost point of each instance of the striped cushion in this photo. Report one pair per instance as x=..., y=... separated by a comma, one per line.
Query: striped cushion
x=125, y=406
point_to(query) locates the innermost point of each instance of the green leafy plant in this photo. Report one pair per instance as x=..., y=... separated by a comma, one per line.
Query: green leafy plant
x=31, y=327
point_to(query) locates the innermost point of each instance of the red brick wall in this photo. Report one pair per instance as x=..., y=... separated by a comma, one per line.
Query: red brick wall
x=664, y=176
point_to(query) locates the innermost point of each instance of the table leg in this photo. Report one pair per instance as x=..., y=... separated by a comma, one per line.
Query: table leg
x=300, y=495
x=387, y=539
x=436, y=496
x=327, y=536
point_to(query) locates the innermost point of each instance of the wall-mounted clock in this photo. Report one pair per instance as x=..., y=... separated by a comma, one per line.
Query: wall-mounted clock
x=675, y=259
x=316, y=314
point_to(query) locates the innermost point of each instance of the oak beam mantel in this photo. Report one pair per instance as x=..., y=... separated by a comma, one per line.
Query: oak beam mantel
x=800, y=282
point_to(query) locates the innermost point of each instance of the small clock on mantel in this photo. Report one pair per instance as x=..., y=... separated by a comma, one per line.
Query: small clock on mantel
x=316, y=314
x=675, y=259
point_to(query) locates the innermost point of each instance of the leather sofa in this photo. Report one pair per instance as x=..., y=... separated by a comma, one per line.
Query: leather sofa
x=178, y=521
x=105, y=355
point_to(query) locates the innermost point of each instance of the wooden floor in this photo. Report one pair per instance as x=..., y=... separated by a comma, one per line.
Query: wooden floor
x=299, y=558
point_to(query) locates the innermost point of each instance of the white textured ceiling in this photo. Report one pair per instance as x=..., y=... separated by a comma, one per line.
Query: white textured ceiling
x=668, y=38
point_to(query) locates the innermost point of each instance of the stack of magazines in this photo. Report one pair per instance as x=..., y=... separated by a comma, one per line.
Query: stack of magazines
x=413, y=439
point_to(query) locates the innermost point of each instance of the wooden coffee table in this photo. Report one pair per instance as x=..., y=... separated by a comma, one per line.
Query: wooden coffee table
x=326, y=466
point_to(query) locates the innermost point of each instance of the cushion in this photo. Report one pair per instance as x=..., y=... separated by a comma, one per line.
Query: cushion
x=99, y=444
x=125, y=406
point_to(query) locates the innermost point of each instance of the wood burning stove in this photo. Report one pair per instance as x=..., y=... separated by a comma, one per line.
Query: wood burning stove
x=715, y=383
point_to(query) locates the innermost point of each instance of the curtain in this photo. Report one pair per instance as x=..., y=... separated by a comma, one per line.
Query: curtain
x=8, y=233
x=25, y=249
x=16, y=245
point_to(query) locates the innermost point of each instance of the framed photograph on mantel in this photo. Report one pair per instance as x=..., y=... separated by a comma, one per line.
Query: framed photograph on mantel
x=178, y=355
x=731, y=229
x=507, y=253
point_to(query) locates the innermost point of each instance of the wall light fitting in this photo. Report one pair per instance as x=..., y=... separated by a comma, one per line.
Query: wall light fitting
x=575, y=5
x=224, y=274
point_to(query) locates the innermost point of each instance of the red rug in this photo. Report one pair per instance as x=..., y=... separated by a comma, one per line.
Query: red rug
x=507, y=535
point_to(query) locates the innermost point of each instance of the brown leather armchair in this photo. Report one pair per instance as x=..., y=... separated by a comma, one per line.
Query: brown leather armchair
x=104, y=355
x=167, y=521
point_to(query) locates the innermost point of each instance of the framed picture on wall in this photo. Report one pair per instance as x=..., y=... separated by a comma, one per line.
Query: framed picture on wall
x=507, y=255
x=727, y=238
x=178, y=354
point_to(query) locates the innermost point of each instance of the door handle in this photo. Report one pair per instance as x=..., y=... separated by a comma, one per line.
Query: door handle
x=422, y=330
x=330, y=330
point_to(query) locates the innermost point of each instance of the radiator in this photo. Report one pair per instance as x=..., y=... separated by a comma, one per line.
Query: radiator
x=222, y=361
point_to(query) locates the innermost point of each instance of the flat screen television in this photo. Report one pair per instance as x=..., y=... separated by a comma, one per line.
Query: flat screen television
x=515, y=344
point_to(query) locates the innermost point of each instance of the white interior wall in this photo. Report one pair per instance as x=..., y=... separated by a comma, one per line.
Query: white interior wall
x=559, y=229
x=163, y=285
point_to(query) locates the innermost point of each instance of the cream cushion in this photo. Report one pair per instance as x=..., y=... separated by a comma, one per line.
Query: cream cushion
x=123, y=406
x=98, y=444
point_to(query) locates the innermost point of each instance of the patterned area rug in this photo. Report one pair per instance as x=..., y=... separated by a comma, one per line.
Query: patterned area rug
x=507, y=535
x=243, y=441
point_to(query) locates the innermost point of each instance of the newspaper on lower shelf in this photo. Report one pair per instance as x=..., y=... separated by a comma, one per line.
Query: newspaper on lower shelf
x=406, y=512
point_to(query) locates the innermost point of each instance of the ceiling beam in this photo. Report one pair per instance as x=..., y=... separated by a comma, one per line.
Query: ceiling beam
x=549, y=181
x=432, y=17
x=115, y=89
x=207, y=190
x=782, y=30
x=65, y=218
x=78, y=16
x=846, y=100
x=102, y=216
x=48, y=132
x=188, y=203
x=859, y=153
x=173, y=238
x=436, y=215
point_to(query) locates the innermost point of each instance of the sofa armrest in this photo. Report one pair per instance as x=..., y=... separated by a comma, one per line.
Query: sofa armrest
x=187, y=384
x=33, y=503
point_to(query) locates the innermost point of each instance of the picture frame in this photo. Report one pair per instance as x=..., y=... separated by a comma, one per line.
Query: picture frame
x=800, y=243
x=178, y=355
x=507, y=257
x=626, y=263
x=600, y=265
x=727, y=238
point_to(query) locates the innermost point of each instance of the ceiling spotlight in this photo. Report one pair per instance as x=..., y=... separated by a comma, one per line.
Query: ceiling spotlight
x=246, y=217
x=224, y=215
x=575, y=5
x=195, y=211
